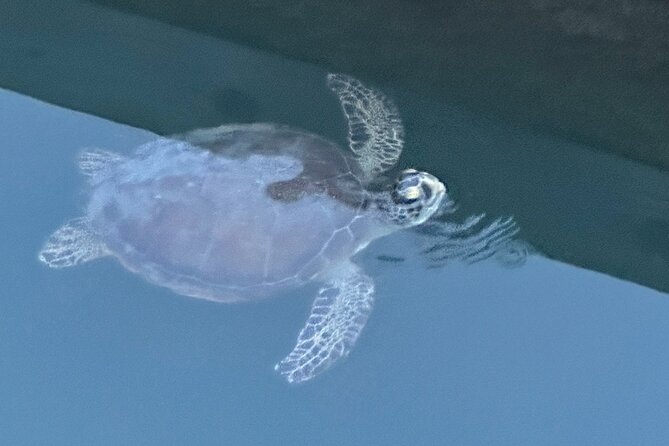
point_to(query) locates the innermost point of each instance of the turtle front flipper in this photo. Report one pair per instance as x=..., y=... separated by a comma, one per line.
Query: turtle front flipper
x=337, y=317
x=72, y=244
x=375, y=131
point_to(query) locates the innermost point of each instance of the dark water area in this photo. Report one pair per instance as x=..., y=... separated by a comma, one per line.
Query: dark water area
x=570, y=347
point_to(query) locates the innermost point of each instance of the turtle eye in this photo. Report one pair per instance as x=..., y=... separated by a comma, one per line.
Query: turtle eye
x=411, y=193
x=405, y=196
x=407, y=189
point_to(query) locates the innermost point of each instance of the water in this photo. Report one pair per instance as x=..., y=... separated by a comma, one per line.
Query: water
x=547, y=353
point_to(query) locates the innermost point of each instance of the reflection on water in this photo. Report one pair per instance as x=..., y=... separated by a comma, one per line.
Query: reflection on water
x=472, y=242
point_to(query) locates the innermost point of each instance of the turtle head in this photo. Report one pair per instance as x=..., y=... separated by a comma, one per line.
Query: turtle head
x=415, y=197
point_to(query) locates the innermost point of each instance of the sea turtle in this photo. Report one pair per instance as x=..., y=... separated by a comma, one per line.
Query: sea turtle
x=243, y=212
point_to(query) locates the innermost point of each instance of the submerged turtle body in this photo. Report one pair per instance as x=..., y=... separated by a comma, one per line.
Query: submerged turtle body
x=241, y=212
x=235, y=213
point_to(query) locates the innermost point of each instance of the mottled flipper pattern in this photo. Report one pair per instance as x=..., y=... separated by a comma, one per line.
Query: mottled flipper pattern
x=337, y=317
x=375, y=130
x=71, y=245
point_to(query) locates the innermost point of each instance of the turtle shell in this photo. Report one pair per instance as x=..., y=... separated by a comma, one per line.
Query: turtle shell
x=233, y=213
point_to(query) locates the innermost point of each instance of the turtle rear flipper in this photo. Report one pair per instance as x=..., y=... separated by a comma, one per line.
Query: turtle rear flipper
x=337, y=317
x=72, y=244
x=94, y=161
